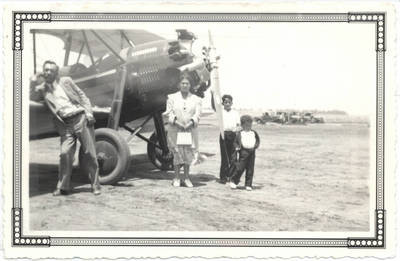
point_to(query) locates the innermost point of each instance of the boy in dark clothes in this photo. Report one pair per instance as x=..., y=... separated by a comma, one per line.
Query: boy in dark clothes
x=246, y=143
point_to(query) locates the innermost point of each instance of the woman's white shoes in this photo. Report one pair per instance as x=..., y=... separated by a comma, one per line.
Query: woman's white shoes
x=186, y=182
x=176, y=183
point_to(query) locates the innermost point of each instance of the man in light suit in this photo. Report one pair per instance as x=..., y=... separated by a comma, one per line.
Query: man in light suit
x=74, y=121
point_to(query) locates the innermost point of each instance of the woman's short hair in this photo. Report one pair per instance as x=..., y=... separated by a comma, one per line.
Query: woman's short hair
x=227, y=96
x=246, y=118
x=185, y=75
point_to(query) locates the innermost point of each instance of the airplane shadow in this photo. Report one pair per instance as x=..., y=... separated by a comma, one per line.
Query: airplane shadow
x=43, y=177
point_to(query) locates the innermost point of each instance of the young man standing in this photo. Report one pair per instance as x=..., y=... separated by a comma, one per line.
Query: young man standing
x=231, y=124
x=74, y=120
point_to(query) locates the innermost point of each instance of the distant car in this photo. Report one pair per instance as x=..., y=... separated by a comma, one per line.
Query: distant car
x=263, y=119
x=295, y=118
x=292, y=117
x=317, y=120
x=279, y=117
x=309, y=118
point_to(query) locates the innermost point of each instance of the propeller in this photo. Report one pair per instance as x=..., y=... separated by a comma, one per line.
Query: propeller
x=210, y=57
x=215, y=88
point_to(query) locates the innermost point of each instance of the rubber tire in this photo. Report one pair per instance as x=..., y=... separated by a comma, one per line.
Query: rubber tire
x=113, y=138
x=151, y=153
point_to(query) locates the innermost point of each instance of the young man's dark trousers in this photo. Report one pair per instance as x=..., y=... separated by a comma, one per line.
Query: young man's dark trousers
x=227, y=149
x=246, y=163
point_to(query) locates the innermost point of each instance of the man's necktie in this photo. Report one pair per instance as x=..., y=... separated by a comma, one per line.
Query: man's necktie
x=49, y=87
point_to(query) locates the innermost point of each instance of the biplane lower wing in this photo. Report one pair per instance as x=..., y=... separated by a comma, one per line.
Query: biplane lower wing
x=41, y=123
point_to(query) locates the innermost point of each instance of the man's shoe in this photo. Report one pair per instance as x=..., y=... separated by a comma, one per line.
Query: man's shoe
x=176, y=183
x=96, y=191
x=249, y=188
x=232, y=185
x=188, y=183
x=59, y=192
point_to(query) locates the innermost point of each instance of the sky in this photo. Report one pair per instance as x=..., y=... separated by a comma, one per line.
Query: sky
x=303, y=66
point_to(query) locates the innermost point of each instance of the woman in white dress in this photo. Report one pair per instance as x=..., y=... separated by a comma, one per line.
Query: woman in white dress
x=183, y=109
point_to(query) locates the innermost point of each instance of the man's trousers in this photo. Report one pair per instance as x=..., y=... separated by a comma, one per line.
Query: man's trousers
x=77, y=129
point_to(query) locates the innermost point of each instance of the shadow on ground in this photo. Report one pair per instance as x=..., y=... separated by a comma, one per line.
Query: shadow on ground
x=43, y=177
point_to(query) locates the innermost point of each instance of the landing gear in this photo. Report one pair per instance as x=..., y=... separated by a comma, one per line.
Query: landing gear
x=112, y=150
x=157, y=145
x=157, y=148
x=162, y=160
x=113, y=155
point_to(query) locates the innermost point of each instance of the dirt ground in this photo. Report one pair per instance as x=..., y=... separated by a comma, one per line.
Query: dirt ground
x=307, y=178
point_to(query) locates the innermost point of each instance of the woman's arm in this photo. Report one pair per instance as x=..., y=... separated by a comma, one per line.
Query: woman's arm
x=196, y=116
x=170, y=110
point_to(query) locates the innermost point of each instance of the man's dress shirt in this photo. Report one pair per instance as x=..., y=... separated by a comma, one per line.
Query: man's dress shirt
x=64, y=107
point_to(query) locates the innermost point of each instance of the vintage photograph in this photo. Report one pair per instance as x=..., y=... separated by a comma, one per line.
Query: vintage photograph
x=201, y=127
x=152, y=131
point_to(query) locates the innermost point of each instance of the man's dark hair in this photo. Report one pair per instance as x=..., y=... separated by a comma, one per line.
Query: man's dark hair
x=227, y=96
x=245, y=118
x=50, y=62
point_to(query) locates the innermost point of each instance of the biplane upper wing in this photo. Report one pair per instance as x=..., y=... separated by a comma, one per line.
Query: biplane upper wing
x=116, y=39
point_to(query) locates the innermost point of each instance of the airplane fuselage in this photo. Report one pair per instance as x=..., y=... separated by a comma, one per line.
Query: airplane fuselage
x=153, y=71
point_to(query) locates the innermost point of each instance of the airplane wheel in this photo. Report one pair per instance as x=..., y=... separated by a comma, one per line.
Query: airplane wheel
x=162, y=162
x=113, y=155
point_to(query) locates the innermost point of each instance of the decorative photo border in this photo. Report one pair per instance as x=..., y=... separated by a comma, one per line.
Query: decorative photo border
x=377, y=19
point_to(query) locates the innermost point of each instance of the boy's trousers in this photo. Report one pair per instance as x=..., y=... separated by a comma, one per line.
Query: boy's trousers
x=246, y=163
x=227, y=149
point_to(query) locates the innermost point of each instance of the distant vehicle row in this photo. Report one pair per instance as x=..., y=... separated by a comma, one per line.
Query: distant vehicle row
x=284, y=117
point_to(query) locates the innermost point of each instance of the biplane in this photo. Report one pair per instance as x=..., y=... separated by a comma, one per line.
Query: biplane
x=129, y=76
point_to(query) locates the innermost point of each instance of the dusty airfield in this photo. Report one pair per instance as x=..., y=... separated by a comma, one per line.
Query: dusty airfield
x=307, y=178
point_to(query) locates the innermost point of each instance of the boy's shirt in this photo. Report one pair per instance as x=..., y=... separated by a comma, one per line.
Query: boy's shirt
x=247, y=140
x=231, y=120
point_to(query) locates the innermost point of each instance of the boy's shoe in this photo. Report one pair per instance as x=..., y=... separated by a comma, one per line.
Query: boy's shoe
x=232, y=185
x=249, y=188
x=176, y=183
x=221, y=181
